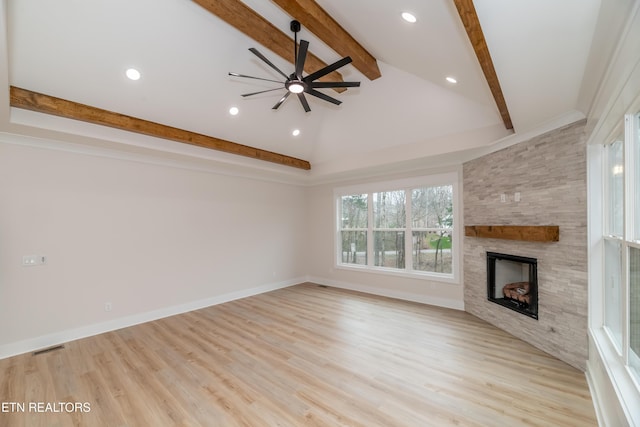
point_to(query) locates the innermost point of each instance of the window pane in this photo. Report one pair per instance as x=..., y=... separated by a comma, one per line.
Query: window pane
x=432, y=251
x=354, y=211
x=615, y=171
x=636, y=182
x=388, y=248
x=432, y=207
x=634, y=310
x=354, y=247
x=388, y=209
x=613, y=289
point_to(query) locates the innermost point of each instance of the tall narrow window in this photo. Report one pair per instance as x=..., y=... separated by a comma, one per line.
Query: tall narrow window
x=613, y=290
x=634, y=251
x=636, y=173
x=353, y=229
x=615, y=156
x=613, y=249
x=432, y=222
x=389, y=220
x=634, y=310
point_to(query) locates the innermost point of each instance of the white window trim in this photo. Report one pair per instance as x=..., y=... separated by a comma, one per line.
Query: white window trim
x=615, y=361
x=453, y=178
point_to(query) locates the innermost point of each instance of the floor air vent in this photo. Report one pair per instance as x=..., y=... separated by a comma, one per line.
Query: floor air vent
x=48, y=350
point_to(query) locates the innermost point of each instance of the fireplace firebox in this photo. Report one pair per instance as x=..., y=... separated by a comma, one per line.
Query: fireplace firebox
x=512, y=282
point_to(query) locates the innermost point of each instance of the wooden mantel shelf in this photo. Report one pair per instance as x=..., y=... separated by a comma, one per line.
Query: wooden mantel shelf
x=530, y=233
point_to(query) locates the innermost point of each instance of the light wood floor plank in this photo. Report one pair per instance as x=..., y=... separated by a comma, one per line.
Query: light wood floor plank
x=302, y=356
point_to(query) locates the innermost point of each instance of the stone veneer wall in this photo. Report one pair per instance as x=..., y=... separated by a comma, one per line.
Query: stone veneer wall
x=549, y=171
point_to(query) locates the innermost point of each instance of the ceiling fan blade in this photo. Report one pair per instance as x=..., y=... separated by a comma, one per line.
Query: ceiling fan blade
x=304, y=102
x=329, y=85
x=302, y=56
x=269, y=63
x=328, y=69
x=279, y=103
x=251, y=77
x=262, y=91
x=323, y=96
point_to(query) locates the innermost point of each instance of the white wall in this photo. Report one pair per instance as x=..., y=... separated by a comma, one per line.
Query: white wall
x=321, y=260
x=152, y=240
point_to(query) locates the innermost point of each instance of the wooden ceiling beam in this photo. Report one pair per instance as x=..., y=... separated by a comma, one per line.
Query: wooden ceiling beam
x=312, y=16
x=28, y=100
x=469, y=17
x=249, y=22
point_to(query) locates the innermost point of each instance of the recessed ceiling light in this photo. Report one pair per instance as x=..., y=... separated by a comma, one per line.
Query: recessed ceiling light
x=451, y=80
x=295, y=132
x=234, y=111
x=409, y=17
x=133, y=74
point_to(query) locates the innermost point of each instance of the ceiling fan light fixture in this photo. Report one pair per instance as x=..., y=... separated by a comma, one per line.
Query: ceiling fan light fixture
x=295, y=87
x=234, y=111
x=409, y=17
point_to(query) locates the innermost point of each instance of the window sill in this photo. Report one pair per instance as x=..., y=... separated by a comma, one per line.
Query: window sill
x=620, y=377
x=435, y=277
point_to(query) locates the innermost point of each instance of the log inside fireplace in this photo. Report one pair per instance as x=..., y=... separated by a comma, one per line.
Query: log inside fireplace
x=512, y=282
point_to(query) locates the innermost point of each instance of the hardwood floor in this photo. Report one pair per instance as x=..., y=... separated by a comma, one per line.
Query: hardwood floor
x=301, y=356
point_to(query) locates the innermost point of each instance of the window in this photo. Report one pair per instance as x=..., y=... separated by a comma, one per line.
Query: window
x=613, y=290
x=354, y=229
x=614, y=235
x=400, y=227
x=389, y=219
x=615, y=187
x=635, y=169
x=634, y=314
x=614, y=230
x=432, y=222
x=622, y=243
x=634, y=247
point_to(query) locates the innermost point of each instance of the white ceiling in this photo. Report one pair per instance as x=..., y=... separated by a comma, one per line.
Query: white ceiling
x=79, y=49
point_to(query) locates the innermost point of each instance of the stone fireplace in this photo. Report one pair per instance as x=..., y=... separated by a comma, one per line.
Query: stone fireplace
x=548, y=173
x=512, y=282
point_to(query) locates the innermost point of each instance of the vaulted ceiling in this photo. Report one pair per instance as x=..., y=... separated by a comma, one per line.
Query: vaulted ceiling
x=520, y=68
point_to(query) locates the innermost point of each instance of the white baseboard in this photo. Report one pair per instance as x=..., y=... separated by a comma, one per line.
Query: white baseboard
x=391, y=293
x=61, y=337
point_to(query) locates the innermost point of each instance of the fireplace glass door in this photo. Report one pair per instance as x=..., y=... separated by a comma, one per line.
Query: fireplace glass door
x=512, y=281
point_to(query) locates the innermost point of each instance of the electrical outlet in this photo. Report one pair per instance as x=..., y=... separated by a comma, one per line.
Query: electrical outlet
x=107, y=306
x=31, y=260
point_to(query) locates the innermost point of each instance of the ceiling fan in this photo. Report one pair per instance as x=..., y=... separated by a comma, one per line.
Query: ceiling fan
x=298, y=84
